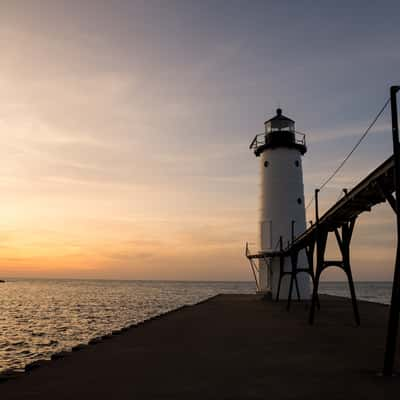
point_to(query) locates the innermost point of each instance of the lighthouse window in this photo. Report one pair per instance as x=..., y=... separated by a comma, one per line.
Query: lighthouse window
x=266, y=163
x=297, y=163
x=299, y=200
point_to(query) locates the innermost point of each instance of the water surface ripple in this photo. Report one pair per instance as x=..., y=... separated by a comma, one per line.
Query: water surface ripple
x=41, y=317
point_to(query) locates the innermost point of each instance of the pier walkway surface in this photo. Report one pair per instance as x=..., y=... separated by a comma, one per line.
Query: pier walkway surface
x=229, y=347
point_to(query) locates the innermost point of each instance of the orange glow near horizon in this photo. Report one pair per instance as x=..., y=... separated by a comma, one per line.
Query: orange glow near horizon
x=124, y=141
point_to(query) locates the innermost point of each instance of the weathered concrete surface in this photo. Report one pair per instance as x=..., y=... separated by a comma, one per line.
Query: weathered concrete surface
x=230, y=347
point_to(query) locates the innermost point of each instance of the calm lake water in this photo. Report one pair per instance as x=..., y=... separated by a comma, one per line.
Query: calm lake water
x=41, y=317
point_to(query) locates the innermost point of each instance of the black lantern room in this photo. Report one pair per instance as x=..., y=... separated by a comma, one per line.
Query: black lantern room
x=279, y=123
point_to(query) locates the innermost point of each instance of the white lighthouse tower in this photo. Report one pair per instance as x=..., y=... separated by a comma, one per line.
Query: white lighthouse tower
x=282, y=212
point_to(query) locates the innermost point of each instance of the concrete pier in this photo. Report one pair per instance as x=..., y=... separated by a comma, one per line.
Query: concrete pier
x=229, y=347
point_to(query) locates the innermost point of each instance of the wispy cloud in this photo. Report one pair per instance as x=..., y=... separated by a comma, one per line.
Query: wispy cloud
x=125, y=128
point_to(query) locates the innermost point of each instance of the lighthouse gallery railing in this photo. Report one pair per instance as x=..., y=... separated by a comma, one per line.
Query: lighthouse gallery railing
x=262, y=139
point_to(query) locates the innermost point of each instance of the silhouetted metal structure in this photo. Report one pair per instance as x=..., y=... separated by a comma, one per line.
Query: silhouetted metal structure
x=393, y=323
x=340, y=220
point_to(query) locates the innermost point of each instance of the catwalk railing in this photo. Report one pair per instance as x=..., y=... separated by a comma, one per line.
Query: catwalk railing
x=340, y=220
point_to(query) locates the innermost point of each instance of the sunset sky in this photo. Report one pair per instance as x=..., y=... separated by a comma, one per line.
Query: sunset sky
x=125, y=125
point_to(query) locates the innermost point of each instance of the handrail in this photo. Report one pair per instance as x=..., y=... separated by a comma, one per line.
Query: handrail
x=262, y=138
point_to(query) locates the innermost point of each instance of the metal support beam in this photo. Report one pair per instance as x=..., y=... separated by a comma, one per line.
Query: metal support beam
x=294, y=256
x=388, y=196
x=310, y=258
x=393, y=323
x=347, y=232
x=281, y=266
x=343, y=238
x=320, y=241
x=309, y=249
x=322, y=237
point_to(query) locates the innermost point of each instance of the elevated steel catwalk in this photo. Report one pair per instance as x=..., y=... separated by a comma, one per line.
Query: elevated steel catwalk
x=376, y=188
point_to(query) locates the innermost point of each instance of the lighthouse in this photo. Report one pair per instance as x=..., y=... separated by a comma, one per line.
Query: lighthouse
x=282, y=213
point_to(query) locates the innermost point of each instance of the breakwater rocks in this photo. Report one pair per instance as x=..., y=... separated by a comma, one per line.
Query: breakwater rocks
x=29, y=368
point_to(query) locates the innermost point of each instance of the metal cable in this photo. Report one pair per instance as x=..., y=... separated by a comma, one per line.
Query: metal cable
x=351, y=151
